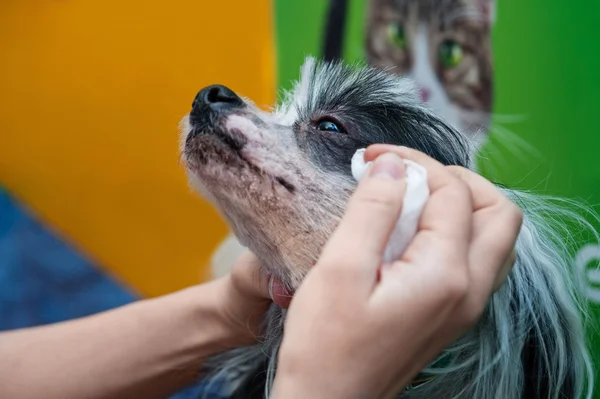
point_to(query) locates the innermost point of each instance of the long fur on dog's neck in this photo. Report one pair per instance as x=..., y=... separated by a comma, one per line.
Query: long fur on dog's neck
x=530, y=342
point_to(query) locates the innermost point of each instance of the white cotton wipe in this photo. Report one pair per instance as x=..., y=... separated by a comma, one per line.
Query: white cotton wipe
x=417, y=194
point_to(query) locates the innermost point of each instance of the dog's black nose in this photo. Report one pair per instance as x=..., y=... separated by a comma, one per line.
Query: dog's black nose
x=216, y=97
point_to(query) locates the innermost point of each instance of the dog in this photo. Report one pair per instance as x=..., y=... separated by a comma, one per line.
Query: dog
x=281, y=180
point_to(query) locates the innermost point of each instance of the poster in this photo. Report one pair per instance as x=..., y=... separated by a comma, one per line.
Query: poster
x=521, y=77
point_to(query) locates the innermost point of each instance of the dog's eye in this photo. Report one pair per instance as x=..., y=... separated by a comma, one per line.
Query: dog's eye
x=327, y=125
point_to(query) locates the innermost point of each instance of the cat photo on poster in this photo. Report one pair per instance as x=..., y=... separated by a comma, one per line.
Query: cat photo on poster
x=445, y=47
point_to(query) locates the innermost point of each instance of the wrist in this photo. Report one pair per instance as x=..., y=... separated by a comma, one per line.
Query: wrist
x=297, y=378
x=192, y=319
x=295, y=381
x=229, y=318
x=204, y=304
x=287, y=387
x=240, y=313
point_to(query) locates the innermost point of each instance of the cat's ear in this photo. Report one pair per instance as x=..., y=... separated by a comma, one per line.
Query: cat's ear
x=488, y=8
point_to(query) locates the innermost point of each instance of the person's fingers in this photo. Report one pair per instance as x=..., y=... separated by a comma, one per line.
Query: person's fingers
x=497, y=222
x=249, y=279
x=356, y=248
x=493, y=245
x=505, y=270
x=437, y=175
x=449, y=199
x=484, y=193
x=486, y=199
x=443, y=218
x=246, y=297
x=438, y=254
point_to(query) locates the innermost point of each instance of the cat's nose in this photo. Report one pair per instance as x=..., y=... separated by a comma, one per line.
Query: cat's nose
x=425, y=94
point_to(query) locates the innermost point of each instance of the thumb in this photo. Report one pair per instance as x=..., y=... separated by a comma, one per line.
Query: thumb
x=356, y=248
x=249, y=279
x=372, y=211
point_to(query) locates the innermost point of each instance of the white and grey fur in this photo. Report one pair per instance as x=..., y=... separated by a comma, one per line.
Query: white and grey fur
x=282, y=184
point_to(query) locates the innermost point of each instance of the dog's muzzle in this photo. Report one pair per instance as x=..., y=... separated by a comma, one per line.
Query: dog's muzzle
x=210, y=108
x=211, y=103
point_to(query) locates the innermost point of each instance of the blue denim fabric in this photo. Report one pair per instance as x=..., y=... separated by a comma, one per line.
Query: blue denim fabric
x=45, y=280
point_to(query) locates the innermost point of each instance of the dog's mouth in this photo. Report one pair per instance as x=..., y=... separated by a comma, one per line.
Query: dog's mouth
x=235, y=141
x=228, y=147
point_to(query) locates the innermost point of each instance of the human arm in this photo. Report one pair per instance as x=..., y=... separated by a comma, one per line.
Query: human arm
x=154, y=347
x=148, y=349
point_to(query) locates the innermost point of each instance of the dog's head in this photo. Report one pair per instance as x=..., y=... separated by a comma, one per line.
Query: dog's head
x=282, y=179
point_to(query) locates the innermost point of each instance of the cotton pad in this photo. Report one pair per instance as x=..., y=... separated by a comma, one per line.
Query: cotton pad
x=415, y=198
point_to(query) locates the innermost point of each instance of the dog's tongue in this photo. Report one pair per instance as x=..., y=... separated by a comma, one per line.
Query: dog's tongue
x=280, y=295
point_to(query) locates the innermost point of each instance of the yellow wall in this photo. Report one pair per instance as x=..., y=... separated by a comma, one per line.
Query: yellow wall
x=91, y=93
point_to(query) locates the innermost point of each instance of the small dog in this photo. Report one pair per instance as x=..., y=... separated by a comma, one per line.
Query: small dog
x=282, y=180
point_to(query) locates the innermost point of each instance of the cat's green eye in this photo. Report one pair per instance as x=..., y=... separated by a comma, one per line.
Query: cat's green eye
x=396, y=35
x=451, y=54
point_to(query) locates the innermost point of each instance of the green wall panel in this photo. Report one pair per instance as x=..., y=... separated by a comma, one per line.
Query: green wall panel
x=546, y=115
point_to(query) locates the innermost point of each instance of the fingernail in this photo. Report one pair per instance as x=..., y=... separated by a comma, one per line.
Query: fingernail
x=388, y=166
x=271, y=287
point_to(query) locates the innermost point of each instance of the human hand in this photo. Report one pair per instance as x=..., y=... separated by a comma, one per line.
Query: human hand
x=360, y=329
x=486, y=198
x=243, y=300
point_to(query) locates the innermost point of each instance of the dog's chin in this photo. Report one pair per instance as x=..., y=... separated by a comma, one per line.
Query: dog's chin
x=225, y=163
x=215, y=147
x=237, y=170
